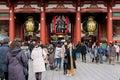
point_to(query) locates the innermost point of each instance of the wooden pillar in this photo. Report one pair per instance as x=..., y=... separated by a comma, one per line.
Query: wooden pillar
x=42, y=27
x=11, y=24
x=78, y=27
x=46, y=34
x=109, y=23
x=72, y=33
x=22, y=33
x=99, y=33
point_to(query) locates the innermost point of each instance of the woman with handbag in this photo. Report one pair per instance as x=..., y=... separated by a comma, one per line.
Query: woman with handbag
x=37, y=56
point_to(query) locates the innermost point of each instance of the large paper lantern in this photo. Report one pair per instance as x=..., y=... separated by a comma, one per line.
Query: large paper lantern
x=90, y=25
x=31, y=26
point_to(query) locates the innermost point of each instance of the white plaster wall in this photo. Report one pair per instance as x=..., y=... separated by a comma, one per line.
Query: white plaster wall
x=35, y=6
x=55, y=5
x=116, y=6
x=19, y=6
x=101, y=6
x=3, y=7
x=51, y=6
x=86, y=5
x=69, y=6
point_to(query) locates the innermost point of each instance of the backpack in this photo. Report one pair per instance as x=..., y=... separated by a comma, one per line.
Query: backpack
x=25, y=70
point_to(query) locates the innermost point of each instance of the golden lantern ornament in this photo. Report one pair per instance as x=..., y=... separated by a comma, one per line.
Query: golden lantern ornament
x=31, y=26
x=90, y=25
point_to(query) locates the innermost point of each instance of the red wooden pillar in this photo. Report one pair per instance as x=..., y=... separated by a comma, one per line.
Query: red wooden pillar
x=109, y=24
x=74, y=34
x=99, y=33
x=72, y=31
x=46, y=34
x=22, y=33
x=11, y=24
x=42, y=27
x=78, y=27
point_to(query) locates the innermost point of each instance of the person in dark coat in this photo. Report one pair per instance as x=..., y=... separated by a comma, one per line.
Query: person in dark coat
x=16, y=60
x=78, y=50
x=31, y=45
x=83, y=52
x=3, y=53
x=71, y=57
x=63, y=50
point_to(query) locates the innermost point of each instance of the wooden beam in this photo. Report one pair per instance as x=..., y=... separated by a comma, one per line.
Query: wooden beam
x=27, y=10
x=93, y=10
x=4, y=18
x=4, y=11
x=55, y=10
x=116, y=18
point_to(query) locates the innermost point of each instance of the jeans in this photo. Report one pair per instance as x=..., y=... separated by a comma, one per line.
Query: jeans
x=58, y=63
x=77, y=54
x=100, y=58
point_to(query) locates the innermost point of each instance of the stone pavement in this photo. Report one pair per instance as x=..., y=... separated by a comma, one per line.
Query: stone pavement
x=86, y=71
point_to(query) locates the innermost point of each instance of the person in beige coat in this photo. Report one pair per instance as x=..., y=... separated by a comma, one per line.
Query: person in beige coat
x=38, y=54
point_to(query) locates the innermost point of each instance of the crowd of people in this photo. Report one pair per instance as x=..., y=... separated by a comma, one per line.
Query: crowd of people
x=110, y=51
x=16, y=57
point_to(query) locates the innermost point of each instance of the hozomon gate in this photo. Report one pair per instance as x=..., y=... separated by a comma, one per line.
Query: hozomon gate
x=106, y=13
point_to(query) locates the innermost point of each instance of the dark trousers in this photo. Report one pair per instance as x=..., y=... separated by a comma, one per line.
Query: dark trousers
x=38, y=75
x=83, y=57
x=117, y=54
x=26, y=77
x=65, y=67
x=5, y=76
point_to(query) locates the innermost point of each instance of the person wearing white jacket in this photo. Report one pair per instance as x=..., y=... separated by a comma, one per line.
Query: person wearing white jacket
x=58, y=57
x=38, y=54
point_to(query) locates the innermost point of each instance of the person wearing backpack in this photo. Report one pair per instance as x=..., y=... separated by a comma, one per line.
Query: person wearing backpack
x=3, y=53
x=16, y=60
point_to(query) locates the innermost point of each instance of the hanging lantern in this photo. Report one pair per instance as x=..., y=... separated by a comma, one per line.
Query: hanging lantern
x=90, y=26
x=31, y=26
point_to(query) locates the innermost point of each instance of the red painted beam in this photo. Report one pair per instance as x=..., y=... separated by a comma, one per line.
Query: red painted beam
x=4, y=11
x=4, y=18
x=93, y=10
x=27, y=10
x=116, y=18
x=65, y=10
x=116, y=10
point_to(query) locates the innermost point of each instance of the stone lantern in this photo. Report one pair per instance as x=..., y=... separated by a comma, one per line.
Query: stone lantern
x=90, y=25
x=31, y=26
